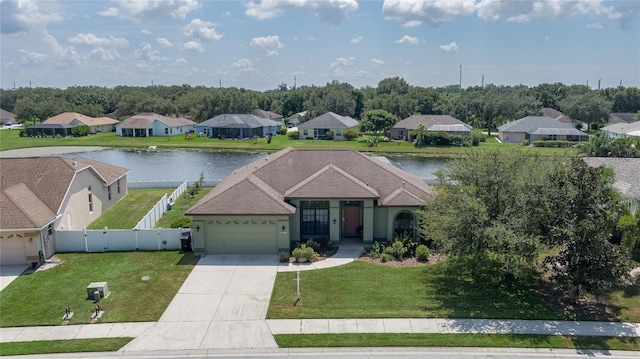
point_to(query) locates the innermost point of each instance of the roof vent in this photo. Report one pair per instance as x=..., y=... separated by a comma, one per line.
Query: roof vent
x=403, y=183
x=74, y=163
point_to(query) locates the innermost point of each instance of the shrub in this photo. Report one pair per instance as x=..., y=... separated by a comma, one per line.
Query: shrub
x=293, y=135
x=283, y=130
x=444, y=139
x=283, y=256
x=304, y=254
x=550, y=143
x=422, y=253
x=328, y=135
x=313, y=244
x=376, y=250
x=397, y=250
x=350, y=134
x=80, y=131
x=386, y=257
x=182, y=222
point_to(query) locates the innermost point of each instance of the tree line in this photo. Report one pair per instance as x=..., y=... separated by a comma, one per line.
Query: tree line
x=488, y=106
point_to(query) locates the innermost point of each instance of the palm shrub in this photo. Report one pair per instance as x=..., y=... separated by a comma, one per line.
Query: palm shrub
x=422, y=253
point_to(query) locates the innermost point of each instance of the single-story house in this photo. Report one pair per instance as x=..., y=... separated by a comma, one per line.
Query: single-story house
x=49, y=130
x=96, y=125
x=238, y=126
x=435, y=123
x=627, y=175
x=41, y=195
x=295, y=195
x=8, y=118
x=537, y=128
x=553, y=113
x=618, y=117
x=317, y=127
x=148, y=124
x=269, y=115
x=622, y=130
x=295, y=119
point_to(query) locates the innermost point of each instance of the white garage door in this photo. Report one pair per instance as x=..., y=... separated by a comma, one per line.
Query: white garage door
x=241, y=237
x=12, y=251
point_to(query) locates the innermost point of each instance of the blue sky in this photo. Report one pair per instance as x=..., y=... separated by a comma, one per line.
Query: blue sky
x=260, y=44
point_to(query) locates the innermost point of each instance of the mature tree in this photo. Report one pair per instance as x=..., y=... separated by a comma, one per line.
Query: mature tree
x=549, y=95
x=588, y=261
x=589, y=107
x=601, y=145
x=377, y=122
x=392, y=85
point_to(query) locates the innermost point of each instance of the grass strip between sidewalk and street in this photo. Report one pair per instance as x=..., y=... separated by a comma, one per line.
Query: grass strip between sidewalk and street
x=63, y=346
x=456, y=340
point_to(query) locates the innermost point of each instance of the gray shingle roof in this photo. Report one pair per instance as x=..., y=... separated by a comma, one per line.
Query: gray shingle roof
x=627, y=170
x=33, y=188
x=622, y=127
x=238, y=121
x=146, y=119
x=531, y=123
x=262, y=187
x=330, y=120
x=412, y=122
x=558, y=131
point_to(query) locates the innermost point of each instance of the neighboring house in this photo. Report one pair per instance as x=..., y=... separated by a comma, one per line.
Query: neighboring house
x=627, y=175
x=620, y=117
x=148, y=124
x=96, y=125
x=622, y=130
x=553, y=113
x=436, y=123
x=295, y=119
x=318, y=126
x=269, y=115
x=238, y=126
x=7, y=118
x=49, y=130
x=43, y=194
x=536, y=128
x=295, y=195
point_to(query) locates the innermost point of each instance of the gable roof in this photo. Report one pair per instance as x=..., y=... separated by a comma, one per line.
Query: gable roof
x=330, y=120
x=6, y=115
x=622, y=128
x=412, y=122
x=238, y=121
x=530, y=124
x=553, y=113
x=146, y=120
x=32, y=189
x=72, y=118
x=627, y=117
x=268, y=114
x=627, y=170
x=264, y=186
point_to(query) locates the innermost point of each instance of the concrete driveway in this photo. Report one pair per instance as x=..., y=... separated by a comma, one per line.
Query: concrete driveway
x=222, y=305
x=9, y=273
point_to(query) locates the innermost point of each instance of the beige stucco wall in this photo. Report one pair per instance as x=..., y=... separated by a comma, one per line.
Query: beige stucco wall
x=512, y=136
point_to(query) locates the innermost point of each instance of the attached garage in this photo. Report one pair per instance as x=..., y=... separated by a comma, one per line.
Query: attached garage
x=12, y=251
x=241, y=236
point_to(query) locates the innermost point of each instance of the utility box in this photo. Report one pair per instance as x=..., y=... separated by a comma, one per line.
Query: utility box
x=97, y=287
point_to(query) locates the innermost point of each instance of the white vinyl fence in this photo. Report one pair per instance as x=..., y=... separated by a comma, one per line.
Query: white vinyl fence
x=113, y=240
x=154, y=214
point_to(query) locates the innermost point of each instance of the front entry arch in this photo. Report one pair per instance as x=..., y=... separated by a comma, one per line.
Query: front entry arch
x=404, y=224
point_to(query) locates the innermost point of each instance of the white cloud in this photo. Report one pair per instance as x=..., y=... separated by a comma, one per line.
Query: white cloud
x=181, y=62
x=104, y=54
x=68, y=54
x=452, y=47
x=93, y=40
x=519, y=18
x=242, y=63
x=624, y=11
x=356, y=40
x=20, y=15
x=523, y=11
x=332, y=12
x=146, y=52
x=339, y=65
x=311, y=38
x=146, y=32
x=151, y=9
x=270, y=44
x=412, y=23
x=408, y=39
x=202, y=30
x=163, y=42
x=32, y=57
x=193, y=46
x=377, y=62
x=433, y=12
x=595, y=25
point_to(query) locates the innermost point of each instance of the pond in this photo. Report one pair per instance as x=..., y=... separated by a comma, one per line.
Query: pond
x=181, y=165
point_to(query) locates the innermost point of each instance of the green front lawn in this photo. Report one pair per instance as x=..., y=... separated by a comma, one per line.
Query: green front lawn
x=181, y=205
x=9, y=139
x=63, y=346
x=456, y=340
x=368, y=290
x=129, y=210
x=142, y=284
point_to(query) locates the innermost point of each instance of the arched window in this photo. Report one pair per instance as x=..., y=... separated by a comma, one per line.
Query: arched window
x=404, y=225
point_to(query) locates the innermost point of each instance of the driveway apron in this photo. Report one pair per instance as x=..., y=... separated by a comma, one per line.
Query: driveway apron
x=222, y=305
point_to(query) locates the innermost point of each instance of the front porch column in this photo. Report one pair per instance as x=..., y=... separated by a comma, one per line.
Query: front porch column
x=334, y=220
x=198, y=237
x=367, y=223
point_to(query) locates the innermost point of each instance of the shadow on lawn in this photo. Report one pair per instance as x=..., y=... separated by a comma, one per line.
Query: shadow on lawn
x=188, y=258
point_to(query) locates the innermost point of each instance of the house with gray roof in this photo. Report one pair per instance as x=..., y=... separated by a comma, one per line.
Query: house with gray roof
x=627, y=175
x=295, y=195
x=149, y=124
x=7, y=118
x=622, y=130
x=41, y=195
x=433, y=123
x=539, y=128
x=238, y=126
x=317, y=127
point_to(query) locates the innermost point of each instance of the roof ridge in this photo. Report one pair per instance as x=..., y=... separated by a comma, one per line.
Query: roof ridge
x=327, y=168
x=396, y=193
